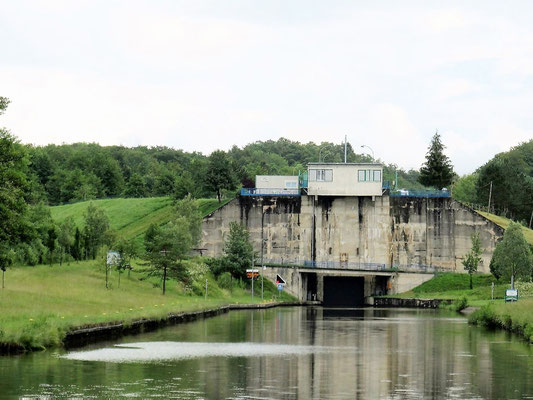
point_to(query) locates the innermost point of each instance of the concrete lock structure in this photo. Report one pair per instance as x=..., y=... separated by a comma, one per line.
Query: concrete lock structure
x=345, y=249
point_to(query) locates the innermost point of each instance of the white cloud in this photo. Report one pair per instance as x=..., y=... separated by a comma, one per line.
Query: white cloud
x=201, y=77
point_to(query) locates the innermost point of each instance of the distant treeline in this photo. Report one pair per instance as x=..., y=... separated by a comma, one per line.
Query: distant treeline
x=511, y=176
x=60, y=174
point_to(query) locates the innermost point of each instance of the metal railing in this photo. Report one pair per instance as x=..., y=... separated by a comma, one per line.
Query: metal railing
x=420, y=193
x=356, y=266
x=269, y=192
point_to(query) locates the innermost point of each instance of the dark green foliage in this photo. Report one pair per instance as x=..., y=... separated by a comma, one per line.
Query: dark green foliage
x=512, y=256
x=437, y=171
x=473, y=257
x=511, y=174
x=65, y=237
x=96, y=230
x=135, y=187
x=51, y=243
x=460, y=304
x=127, y=250
x=77, y=251
x=464, y=189
x=220, y=174
x=238, y=252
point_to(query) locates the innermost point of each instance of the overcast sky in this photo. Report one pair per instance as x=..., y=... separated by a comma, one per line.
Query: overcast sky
x=205, y=75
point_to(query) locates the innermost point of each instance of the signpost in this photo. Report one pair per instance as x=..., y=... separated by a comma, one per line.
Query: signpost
x=511, y=295
x=252, y=274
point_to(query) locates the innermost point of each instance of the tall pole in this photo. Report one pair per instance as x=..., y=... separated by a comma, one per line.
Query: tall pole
x=531, y=220
x=262, y=249
x=490, y=196
x=345, y=148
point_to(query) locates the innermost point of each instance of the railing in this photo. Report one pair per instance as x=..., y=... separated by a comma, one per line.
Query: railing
x=355, y=266
x=269, y=192
x=420, y=193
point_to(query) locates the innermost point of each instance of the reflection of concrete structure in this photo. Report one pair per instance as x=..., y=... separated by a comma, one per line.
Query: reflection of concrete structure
x=333, y=179
x=316, y=236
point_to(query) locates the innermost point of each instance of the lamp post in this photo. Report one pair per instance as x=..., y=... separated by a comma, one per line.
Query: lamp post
x=320, y=152
x=368, y=147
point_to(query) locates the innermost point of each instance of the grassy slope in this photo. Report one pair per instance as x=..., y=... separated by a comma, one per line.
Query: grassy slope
x=131, y=217
x=40, y=304
x=504, y=222
x=455, y=286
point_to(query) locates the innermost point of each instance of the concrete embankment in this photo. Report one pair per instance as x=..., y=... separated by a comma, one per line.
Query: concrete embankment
x=92, y=334
x=408, y=303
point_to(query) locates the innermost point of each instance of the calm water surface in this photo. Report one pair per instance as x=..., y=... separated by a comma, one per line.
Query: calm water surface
x=287, y=353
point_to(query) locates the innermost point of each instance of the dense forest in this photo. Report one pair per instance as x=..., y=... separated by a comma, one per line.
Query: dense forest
x=60, y=174
x=507, y=179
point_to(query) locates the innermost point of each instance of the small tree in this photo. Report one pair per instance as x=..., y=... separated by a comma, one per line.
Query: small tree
x=51, y=243
x=512, y=257
x=127, y=250
x=6, y=260
x=166, y=247
x=437, y=171
x=238, y=251
x=473, y=257
x=66, y=237
x=96, y=229
x=220, y=173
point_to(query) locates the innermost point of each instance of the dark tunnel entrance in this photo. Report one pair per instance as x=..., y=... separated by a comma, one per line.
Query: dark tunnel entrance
x=344, y=291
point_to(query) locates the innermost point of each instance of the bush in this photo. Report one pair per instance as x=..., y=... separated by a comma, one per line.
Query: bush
x=460, y=304
x=225, y=281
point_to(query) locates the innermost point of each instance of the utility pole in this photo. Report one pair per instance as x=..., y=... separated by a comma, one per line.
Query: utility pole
x=531, y=220
x=345, y=148
x=262, y=248
x=490, y=195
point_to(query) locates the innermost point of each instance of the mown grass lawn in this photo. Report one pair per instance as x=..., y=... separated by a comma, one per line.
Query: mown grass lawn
x=40, y=304
x=504, y=222
x=130, y=218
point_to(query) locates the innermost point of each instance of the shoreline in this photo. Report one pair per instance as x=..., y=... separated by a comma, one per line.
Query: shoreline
x=79, y=337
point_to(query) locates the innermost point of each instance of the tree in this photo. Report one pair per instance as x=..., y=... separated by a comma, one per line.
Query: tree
x=238, y=251
x=473, y=257
x=6, y=259
x=77, y=247
x=512, y=257
x=127, y=250
x=14, y=226
x=166, y=247
x=437, y=171
x=219, y=173
x=51, y=242
x=66, y=238
x=464, y=189
x=96, y=229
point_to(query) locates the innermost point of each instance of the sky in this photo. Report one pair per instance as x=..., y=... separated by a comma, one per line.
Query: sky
x=206, y=75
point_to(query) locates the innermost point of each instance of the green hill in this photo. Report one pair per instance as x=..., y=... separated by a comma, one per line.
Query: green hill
x=504, y=222
x=130, y=217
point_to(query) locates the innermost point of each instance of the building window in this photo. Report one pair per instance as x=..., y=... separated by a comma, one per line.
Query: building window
x=369, y=175
x=320, y=175
x=291, y=184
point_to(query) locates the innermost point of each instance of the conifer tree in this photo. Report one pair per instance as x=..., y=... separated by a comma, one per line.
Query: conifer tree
x=437, y=171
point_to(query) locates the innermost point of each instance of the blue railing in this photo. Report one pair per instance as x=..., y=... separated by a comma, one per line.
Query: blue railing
x=270, y=192
x=420, y=193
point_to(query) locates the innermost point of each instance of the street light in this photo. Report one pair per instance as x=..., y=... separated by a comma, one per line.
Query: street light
x=368, y=147
x=320, y=152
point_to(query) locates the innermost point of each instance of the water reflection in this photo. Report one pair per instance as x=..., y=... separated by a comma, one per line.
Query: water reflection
x=288, y=353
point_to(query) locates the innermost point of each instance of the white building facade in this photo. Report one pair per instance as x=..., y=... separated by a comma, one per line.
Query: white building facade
x=343, y=179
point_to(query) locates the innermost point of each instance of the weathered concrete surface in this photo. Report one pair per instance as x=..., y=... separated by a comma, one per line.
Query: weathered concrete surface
x=379, y=238
x=397, y=232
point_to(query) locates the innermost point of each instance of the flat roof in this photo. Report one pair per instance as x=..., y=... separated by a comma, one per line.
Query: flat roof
x=332, y=163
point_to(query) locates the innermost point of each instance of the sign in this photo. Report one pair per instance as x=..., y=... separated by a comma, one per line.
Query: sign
x=113, y=258
x=252, y=273
x=280, y=287
x=511, y=295
x=279, y=279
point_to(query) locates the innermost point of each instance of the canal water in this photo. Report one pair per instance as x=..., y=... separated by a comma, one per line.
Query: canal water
x=287, y=353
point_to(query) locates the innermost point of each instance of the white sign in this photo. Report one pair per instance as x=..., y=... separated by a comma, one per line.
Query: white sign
x=113, y=258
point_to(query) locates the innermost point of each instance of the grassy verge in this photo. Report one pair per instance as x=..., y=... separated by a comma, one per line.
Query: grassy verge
x=40, y=304
x=514, y=317
x=504, y=222
x=456, y=287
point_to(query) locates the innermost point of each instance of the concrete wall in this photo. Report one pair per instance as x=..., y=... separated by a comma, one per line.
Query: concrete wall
x=401, y=232
x=276, y=182
x=345, y=181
